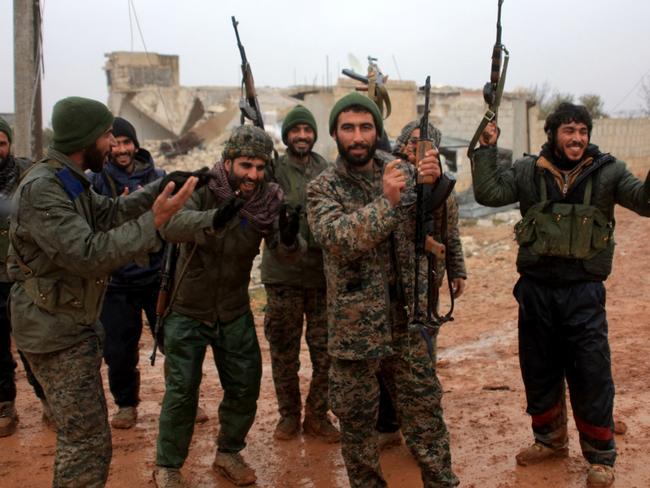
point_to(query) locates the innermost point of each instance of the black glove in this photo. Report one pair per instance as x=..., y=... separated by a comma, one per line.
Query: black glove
x=289, y=223
x=180, y=177
x=226, y=211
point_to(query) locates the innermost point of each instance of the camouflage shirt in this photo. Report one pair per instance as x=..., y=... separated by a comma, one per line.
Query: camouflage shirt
x=361, y=235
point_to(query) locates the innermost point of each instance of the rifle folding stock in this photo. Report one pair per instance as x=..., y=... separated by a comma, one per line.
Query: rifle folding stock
x=162, y=304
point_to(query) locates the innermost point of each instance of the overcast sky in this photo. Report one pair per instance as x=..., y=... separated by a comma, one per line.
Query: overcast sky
x=576, y=46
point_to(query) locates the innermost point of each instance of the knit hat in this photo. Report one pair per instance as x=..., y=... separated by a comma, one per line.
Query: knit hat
x=298, y=115
x=405, y=135
x=78, y=122
x=356, y=98
x=123, y=128
x=6, y=128
x=250, y=141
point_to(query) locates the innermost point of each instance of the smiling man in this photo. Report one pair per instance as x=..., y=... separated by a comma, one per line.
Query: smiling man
x=566, y=248
x=221, y=229
x=362, y=213
x=132, y=288
x=296, y=294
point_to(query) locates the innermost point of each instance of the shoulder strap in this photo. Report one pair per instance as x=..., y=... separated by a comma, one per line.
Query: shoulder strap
x=587, y=197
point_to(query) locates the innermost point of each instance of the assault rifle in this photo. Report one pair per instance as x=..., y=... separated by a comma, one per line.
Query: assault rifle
x=430, y=196
x=375, y=84
x=164, y=292
x=493, y=89
x=248, y=104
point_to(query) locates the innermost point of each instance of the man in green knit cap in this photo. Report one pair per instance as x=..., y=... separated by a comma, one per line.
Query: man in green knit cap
x=65, y=242
x=296, y=293
x=362, y=213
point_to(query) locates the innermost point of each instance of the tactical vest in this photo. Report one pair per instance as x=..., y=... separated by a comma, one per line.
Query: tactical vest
x=565, y=230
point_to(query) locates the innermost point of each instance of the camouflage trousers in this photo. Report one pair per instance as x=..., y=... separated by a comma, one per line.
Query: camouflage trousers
x=411, y=380
x=286, y=310
x=73, y=387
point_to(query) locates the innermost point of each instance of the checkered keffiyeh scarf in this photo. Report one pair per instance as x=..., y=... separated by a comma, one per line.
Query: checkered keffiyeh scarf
x=260, y=210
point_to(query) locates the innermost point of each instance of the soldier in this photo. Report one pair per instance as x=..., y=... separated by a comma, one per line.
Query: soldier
x=405, y=147
x=297, y=292
x=11, y=170
x=362, y=212
x=132, y=289
x=221, y=229
x=65, y=242
x=567, y=196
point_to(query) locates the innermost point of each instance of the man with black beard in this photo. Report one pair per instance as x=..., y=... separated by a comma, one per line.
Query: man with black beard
x=362, y=213
x=567, y=196
x=11, y=170
x=296, y=293
x=66, y=240
x=220, y=231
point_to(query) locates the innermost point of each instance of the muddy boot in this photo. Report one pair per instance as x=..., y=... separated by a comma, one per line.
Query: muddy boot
x=164, y=477
x=386, y=440
x=620, y=427
x=600, y=476
x=125, y=418
x=8, y=418
x=233, y=467
x=539, y=452
x=47, y=418
x=287, y=428
x=320, y=427
x=201, y=416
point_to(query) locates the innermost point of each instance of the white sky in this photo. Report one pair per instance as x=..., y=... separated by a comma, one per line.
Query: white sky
x=576, y=46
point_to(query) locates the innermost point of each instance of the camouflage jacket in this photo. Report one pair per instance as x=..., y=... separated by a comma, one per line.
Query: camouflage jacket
x=454, y=244
x=293, y=177
x=23, y=165
x=359, y=232
x=214, y=267
x=65, y=242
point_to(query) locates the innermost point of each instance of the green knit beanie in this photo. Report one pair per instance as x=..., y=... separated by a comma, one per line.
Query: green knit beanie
x=6, y=128
x=78, y=122
x=298, y=115
x=356, y=98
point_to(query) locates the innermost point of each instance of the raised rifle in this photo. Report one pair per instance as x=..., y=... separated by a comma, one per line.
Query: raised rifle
x=430, y=196
x=164, y=292
x=375, y=85
x=248, y=104
x=493, y=89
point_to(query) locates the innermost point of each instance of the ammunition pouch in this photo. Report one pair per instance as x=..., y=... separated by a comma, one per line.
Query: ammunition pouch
x=576, y=231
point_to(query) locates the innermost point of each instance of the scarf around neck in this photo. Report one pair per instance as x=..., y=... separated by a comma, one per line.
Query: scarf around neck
x=260, y=210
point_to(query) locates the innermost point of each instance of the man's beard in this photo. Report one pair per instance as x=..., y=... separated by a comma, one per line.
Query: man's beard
x=357, y=160
x=236, y=182
x=94, y=159
x=298, y=152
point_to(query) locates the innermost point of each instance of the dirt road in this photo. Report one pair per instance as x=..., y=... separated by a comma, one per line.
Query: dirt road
x=484, y=399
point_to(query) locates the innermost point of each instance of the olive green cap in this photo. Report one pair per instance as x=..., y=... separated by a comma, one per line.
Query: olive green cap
x=78, y=122
x=356, y=98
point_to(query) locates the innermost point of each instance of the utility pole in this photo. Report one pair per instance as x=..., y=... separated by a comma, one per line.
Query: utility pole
x=28, y=124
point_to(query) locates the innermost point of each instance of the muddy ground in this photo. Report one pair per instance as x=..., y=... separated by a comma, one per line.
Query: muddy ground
x=484, y=398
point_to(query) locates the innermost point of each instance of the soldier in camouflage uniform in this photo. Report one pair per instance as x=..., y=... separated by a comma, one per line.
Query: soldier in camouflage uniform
x=297, y=292
x=405, y=147
x=221, y=229
x=65, y=242
x=362, y=212
x=11, y=170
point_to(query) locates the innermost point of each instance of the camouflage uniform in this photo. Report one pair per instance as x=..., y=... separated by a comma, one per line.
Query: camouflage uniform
x=369, y=267
x=294, y=293
x=65, y=242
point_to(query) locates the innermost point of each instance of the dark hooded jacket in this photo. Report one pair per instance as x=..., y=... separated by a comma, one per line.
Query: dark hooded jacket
x=111, y=182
